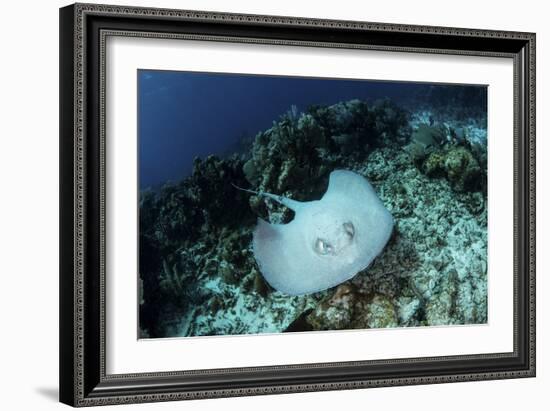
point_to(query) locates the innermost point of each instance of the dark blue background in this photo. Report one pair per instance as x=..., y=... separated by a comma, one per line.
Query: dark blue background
x=183, y=114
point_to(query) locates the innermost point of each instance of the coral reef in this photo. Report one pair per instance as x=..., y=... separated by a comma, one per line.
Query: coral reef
x=198, y=272
x=447, y=151
x=458, y=165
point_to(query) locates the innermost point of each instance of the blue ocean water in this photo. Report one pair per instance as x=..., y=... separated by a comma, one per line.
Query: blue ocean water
x=183, y=115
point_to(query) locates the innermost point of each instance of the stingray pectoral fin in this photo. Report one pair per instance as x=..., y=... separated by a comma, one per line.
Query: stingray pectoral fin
x=350, y=185
x=275, y=256
x=267, y=246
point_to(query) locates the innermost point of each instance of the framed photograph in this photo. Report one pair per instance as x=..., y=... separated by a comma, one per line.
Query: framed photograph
x=262, y=204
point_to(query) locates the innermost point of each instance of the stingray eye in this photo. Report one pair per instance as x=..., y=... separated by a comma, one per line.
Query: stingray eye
x=349, y=229
x=323, y=247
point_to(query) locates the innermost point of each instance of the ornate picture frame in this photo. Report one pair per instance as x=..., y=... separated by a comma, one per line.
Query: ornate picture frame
x=85, y=379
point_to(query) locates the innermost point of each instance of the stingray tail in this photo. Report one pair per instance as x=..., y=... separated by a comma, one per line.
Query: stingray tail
x=246, y=190
x=287, y=202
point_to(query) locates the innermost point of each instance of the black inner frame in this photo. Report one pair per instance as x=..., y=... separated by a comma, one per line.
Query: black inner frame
x=97, y=385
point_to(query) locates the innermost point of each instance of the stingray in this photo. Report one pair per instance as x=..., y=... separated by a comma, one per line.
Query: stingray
x=329, y=240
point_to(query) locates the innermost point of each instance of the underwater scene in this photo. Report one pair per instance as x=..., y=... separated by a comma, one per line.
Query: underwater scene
x=273, y=204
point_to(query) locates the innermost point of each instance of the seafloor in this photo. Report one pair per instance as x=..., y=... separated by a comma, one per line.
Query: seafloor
x=198, y=275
